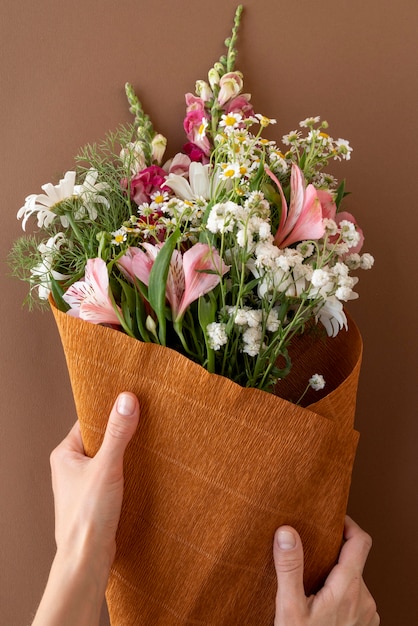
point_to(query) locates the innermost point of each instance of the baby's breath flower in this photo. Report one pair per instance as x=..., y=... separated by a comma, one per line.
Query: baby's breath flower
x=317, y=382
x=366, y=261
x=320, y=278
x=353, y=261
x=216, y=332
x=273, y=322
x=252, y=340
x=305, y=248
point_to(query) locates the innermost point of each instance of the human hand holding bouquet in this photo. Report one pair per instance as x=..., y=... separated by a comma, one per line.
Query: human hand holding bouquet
x=230, y=255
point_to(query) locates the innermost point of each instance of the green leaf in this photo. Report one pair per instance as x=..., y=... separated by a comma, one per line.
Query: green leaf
x=57, y=293
x=158, y=281
x=206, y=311
x=340, y=193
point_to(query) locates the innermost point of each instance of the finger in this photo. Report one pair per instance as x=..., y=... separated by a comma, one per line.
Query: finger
x=356, y=547
x=121, y=426
x=288, y=561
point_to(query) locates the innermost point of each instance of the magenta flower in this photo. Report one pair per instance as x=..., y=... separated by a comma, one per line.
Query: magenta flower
x=143, y=184
x=89, y=298
x=191, y=274
x=241, y=104
x=195, y=123
x=303, y=218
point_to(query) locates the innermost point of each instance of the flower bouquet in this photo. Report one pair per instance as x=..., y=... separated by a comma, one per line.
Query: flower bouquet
x=211, y=285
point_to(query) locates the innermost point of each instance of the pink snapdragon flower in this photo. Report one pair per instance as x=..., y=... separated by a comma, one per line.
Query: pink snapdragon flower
x=195, y=123
x=89, y=298
x=191, y=274
x=303, y=218
x=230, y=85
x=241, y=104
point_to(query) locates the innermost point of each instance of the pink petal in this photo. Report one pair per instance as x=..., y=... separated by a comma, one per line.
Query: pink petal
x=309, y=224
x=297, y=198
x=197, y=282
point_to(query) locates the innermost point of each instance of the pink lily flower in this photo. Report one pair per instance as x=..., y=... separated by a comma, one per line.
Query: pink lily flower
x=89, y=298
x=191, y=274
x=303, y=218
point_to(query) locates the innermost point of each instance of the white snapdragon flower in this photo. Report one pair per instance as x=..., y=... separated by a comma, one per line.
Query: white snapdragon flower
x=133, y=157
x=217, y=336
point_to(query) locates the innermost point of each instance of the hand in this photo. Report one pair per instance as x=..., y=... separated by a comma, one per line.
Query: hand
x=344, y=599
x=88, y=491
x=88, y=499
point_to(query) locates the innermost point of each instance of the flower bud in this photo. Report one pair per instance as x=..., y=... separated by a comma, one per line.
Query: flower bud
x=151, y=326
x=203, y=90
x=213, y=77
x=158, y=146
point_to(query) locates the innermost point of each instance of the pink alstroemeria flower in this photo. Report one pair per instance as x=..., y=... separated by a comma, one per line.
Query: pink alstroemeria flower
x=89, y=298
x=191, y=274
x=303, y=218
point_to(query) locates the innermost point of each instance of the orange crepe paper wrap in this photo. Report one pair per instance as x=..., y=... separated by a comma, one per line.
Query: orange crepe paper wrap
x=213, y=470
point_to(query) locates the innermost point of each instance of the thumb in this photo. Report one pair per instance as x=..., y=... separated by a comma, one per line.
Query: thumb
x=288, y=561
x=123, y=420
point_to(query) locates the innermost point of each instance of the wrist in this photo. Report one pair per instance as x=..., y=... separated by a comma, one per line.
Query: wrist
x=75, y=590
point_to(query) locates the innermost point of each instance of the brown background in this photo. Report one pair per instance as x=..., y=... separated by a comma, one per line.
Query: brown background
x=63, y=67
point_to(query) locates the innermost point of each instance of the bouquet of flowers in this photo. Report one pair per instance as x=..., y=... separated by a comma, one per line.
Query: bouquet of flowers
x=201, y=282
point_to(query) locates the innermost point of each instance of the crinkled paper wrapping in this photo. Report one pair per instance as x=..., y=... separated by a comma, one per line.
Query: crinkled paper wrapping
x=212, y=471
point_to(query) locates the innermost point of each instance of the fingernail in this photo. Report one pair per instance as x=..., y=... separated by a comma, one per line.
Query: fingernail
x=126, y=404
x=286, y=540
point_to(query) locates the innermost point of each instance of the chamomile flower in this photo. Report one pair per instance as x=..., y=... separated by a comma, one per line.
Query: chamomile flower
x=310, y=122
x=230, y=122
x=119, y=236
